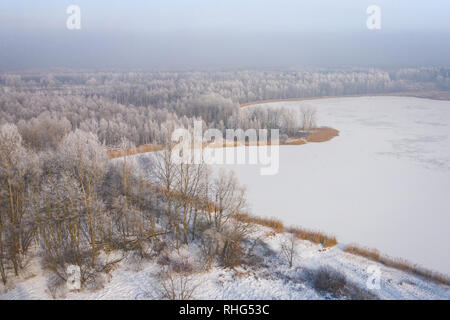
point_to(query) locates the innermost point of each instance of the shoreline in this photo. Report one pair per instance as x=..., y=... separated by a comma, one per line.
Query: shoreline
x=432, y=95
x=317, y=135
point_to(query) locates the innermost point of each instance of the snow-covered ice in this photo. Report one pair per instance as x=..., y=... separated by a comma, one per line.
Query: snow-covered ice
x=384, y=182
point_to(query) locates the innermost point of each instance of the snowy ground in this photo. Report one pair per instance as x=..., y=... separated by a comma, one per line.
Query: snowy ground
x=383, y=183
x=270, y=279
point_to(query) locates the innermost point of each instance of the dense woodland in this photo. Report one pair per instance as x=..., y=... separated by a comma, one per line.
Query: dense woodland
x=144, y=107
x=62, y=199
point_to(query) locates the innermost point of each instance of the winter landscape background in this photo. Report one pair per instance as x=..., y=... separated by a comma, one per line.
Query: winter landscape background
x=94, y=206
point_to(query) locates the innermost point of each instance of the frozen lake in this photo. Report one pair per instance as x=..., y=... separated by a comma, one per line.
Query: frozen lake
x=383, y=183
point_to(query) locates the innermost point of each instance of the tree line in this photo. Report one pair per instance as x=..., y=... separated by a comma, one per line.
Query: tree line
x=144, y=107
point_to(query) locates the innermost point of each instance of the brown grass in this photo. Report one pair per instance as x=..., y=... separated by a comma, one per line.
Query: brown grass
x=273, y=223
x=322, y=134
x=314, y=236
x=297, y=142
x=371, y=254
x=278, y=227
x=397, y=263
x=116, y=153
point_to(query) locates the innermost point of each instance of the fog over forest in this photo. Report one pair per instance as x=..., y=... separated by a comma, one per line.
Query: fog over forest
x=199, y=34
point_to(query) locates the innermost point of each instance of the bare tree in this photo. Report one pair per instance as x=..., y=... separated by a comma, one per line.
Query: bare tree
x=18, y=176
x=227, y=199
x=60, y=221
x=289, y=249
x=225, y=233
x=191, y=181
x=86, y=161
x=127, y=167
x=163, y=175
x=173, y=285
x=308, y=118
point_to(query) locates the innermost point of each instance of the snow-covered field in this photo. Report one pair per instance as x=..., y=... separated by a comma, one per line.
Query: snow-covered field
x=383, y=183
x=270, y=279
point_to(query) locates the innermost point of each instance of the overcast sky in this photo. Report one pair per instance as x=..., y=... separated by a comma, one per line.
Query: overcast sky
x=222, y=33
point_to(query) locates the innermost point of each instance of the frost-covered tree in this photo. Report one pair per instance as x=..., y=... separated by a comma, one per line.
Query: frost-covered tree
x=19, y=169
x=85, y=160
x=308, y=115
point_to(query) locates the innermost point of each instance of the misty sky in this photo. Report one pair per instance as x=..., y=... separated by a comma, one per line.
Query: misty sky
x=146, y=34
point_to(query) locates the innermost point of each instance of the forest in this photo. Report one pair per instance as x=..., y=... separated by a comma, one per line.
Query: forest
x=144, y=107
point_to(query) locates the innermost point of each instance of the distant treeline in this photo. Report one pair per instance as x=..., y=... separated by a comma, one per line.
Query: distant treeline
x=145, y=107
